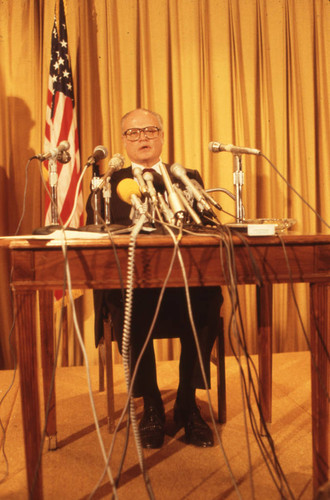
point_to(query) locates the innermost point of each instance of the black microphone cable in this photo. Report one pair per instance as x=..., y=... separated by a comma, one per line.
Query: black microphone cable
x=200, y=359
x=226, y=246
x=327, y=354
x=238, y=326
x=229, y=272
x=295, y=191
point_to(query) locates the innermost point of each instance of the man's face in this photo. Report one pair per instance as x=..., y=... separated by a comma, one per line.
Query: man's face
x=144, y=151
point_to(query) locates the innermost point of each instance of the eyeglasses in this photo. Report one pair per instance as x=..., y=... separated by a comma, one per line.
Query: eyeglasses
x=134, y=134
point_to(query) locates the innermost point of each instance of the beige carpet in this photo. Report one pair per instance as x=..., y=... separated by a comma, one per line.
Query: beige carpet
x=176, y=471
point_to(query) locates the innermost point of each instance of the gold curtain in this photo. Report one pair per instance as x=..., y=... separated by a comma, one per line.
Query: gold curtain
x=247, y=72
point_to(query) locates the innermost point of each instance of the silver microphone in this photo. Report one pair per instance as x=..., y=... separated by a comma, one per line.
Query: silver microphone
x=180, y=173
x=187, y=205
x=137, y=172
x=206, y=194
x=217, y=147
x=63, y=157
x=57, y=153
x=165, y=209
x=99, y=153
x=149, y=180
x=173, y=198
x=115, y=163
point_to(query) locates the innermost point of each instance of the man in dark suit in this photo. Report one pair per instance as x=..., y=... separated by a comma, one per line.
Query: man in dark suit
x=143, y=135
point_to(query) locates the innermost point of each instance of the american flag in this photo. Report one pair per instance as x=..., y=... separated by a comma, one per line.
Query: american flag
x=61, y=125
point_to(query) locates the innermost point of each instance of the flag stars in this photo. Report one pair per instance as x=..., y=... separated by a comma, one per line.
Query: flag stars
x=60, y=70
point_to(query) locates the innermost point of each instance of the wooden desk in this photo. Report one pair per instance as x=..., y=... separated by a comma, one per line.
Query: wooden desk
x=38, y=266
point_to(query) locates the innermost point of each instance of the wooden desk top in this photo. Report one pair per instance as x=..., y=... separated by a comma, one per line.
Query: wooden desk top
x=39, y=263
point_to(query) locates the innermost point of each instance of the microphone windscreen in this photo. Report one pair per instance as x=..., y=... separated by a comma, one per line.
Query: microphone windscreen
x=117, y=161
x=63, y=146
x=126, y=188
x=177, y=170
x=99, y=153
x=214, y=147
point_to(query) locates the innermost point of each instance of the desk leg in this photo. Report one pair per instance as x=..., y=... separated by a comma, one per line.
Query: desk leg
x=264, y=305
x=46, y=313
x=25, y=312
x=320, y=374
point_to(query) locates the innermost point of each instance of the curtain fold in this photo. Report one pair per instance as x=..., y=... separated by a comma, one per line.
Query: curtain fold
x=249, y=72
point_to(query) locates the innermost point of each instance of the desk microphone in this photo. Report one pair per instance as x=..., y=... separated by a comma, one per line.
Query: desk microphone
x=148, y=177
x=129, y=192
x=115, y=163
x=180, y=173
x=217, y=147
x=173, y=198
x=59, y=153
x=99, y=153
x=137, y=172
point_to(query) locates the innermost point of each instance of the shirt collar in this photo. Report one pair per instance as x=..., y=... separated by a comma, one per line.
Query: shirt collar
x=155, y=167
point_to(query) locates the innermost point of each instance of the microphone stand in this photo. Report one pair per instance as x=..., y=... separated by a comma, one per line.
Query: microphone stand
x=53, y=183
x=98, y=226
x=106, y=191
x=238, y=177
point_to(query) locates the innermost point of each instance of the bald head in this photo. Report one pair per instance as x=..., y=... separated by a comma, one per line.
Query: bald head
x=144, y=151
x=141, y=110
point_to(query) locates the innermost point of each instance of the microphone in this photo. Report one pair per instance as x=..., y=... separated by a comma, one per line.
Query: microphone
x=173, y=198
x=217, y=147
x=137, y=172
x=180, y=173
x=99, y=153
x=149, y=180
x=63, y=157
x=206, y=194
x=57, y=153
x=187, y=206
x=115, y=163
x=165, y=209
x=129, y=192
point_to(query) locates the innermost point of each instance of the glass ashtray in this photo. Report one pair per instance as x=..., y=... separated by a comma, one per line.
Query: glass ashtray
x=280, y=224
